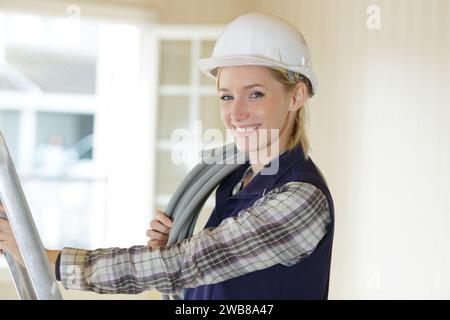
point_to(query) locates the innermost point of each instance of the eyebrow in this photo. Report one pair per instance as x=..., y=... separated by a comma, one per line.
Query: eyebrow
x=246, y=87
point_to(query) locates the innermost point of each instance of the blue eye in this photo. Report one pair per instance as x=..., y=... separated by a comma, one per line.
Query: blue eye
x=257, y=94
x=225, y=98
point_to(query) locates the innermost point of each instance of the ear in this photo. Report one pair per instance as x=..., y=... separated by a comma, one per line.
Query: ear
x=298, y=96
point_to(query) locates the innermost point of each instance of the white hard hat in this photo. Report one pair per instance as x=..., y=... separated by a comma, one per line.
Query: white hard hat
x=260, y=39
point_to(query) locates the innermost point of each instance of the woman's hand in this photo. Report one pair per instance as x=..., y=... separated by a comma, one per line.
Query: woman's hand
x=159, y=230
x=7, y=240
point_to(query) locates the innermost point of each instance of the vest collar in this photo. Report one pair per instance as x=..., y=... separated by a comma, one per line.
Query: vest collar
x=258, y=185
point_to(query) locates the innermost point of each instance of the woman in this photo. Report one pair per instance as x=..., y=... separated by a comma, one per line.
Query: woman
x=270, y=235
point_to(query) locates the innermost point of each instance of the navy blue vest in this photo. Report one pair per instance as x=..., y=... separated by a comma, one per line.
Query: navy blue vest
x=309, y=278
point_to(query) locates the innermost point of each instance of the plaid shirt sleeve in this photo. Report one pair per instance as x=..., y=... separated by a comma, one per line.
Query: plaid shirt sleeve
x=282, y=227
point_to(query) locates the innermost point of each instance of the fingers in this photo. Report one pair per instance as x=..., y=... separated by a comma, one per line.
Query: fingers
x=158, y=226
x=4, y=226
x=6, y=235
x=8, y=242
x=161, y=216
x=157, y=239
x=154, y=235
x=159, y=230
x=5, y=242
x=6, y=238
x=155, y=243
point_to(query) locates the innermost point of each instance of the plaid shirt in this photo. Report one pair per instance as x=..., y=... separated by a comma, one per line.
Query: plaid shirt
x=282, y=227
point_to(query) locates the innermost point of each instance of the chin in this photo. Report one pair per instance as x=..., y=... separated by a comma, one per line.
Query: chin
x=253, y=142
x=246, y=146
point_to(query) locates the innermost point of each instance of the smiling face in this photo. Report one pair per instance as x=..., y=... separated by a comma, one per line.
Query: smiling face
x=253, y=101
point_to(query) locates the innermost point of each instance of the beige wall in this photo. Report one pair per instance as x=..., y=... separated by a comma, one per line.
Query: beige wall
x=379, y=132
x=164, y=11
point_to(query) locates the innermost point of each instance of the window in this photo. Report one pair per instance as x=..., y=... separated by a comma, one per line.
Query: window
x=9, y=124
x=185, y=97
x=78, y=121
x=63, y=123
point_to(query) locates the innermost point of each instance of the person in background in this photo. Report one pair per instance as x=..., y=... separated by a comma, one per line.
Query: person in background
x=52, y=158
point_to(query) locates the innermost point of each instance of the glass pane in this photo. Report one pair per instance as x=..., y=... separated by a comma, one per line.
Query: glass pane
x=210, y=113
x=206, y=52
x=210, y=116
x=175, y=62
x=173, y=113
x=168, y=174
x=63, y=143
x=9, y=126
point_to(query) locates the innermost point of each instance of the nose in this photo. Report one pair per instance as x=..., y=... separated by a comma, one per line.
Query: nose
x=238, y=111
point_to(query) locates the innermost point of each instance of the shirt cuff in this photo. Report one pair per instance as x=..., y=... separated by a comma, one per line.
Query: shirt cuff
x=57, y=263
x=72, y=269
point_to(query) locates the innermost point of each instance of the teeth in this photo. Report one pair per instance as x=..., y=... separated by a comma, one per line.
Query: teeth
x=246, y=129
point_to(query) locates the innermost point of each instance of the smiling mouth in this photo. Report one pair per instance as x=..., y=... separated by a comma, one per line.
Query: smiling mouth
x=246, y=129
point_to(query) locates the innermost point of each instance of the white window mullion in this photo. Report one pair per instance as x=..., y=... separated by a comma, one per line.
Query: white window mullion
x=149, y=86
x=127, y=132
x=27, y=140
x=2, y=37
x=194, y=89
x=194, y=99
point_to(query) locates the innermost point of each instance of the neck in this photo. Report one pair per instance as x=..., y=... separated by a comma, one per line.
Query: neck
x=261, y=157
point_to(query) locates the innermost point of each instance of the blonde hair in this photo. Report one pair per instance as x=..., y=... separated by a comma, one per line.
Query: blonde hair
x=290, y=80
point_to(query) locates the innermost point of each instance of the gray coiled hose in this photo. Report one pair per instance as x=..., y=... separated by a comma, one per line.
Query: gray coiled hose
x=186, y=203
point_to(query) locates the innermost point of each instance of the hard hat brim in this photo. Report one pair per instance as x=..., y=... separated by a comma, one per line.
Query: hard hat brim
x=209, y=66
